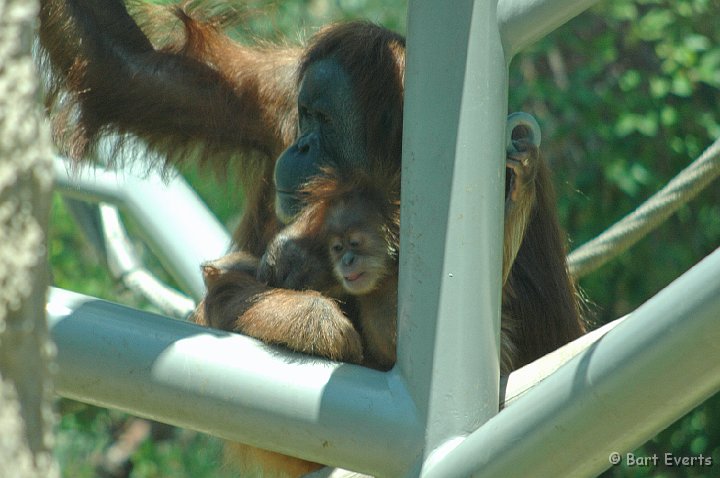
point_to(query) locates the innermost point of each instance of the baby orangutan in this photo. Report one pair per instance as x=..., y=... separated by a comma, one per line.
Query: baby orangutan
x=365, y=263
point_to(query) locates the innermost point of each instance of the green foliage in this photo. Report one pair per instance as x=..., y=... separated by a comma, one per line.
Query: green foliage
x=86, y=432
x=627, y=94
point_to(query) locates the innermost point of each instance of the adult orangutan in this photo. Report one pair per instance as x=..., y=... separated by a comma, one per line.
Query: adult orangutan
x=337, y=101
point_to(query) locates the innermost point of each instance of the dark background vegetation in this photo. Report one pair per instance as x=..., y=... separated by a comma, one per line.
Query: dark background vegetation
x=627, y=95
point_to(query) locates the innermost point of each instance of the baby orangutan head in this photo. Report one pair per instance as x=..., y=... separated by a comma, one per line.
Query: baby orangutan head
x=360, y=252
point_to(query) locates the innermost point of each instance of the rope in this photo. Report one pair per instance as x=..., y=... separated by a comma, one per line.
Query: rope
x=649, y=215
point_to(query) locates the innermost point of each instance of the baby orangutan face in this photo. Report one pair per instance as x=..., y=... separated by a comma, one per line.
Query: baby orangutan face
x=357, y=246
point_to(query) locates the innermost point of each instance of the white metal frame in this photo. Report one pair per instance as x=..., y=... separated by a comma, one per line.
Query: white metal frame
x=435, y=413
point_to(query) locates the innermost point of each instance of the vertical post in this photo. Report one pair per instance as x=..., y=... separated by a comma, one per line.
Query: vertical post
x=452, y=212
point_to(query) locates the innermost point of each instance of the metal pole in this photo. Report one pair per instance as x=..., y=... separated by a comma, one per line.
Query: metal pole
x=643, y=375
x=523, y=22
x=452, y=210
x=179, y=228
x=231, y=386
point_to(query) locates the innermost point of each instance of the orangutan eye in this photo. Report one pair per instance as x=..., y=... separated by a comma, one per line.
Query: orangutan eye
x=336, y=247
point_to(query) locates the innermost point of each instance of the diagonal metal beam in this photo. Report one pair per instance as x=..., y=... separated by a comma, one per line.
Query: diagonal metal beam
x=523, y=22
x=643, y=375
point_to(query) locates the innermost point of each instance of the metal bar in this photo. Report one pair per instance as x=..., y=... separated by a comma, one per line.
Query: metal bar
x=124, y=264
x=639, y=378
x=179, y=228
x=452, y=209
x=231, y=386
x=523, y=22
x=524, y=379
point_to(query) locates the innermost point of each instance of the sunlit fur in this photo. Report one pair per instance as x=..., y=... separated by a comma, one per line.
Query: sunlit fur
x=365, y=262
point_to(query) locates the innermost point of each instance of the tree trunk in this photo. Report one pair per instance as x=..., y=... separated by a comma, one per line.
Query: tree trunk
x=25, y=188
